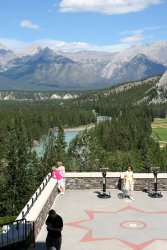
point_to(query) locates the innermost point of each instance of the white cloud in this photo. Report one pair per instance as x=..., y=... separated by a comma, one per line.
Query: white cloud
x=156, y=27
x=133, y=39
x=136, y=36
x=13, y=43
x=29, y=25
x=109, y=7
x=142, y=30
x=61, y=45
x=78, y=46
x=130, y=32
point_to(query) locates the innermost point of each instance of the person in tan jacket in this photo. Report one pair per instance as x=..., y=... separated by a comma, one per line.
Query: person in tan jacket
x=129, y=181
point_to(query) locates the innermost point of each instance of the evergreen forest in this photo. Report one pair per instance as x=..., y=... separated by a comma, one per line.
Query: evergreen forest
x=124, y=139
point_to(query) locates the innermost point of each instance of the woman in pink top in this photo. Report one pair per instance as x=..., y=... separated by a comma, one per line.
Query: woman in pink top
x=61, y=170
x=59, y=177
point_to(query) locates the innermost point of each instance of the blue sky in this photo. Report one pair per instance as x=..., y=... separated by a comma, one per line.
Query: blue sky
x=72, y=25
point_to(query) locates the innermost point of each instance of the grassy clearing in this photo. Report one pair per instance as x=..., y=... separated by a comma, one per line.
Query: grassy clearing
x=159, y=131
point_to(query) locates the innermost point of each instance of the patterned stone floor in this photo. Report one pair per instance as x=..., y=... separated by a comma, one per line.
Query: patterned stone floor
x=91, y=223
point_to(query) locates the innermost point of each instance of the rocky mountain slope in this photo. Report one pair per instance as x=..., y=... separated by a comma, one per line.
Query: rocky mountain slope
x=45, y=69
x=139, y=67
x=37, y=96
x=161, y=90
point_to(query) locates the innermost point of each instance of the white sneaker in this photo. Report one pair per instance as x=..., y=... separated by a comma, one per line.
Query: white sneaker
x=131, y=198
x=62, y=193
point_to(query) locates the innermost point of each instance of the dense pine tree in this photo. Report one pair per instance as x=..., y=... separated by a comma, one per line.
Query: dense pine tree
x=18, y=169
x=50, y=151
x=61, y=145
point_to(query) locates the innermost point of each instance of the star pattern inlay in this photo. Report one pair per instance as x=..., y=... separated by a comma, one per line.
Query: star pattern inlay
x=131, y=226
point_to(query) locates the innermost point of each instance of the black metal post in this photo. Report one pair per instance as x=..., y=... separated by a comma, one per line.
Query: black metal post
x=23, y=214
x=104, y=193
x=155, y=182
x=104, y=182
x=155, y=193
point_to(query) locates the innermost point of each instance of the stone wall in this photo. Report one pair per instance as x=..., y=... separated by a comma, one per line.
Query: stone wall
x=113, y=181
x=91, y=183
x=44, y=212
x=142, y=184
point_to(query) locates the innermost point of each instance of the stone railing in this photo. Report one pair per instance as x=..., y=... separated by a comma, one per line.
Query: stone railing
x=113, y=180
x=35, y=196
x=36, y=210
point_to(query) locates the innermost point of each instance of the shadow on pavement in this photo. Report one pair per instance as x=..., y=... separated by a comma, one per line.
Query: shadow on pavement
x=40, y=246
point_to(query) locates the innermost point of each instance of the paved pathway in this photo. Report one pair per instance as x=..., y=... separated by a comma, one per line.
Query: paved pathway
x=91, y=223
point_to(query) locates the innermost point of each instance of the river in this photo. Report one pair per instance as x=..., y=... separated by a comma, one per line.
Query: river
x=70, y=134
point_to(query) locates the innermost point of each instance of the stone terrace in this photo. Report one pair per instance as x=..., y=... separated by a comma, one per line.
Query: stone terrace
x=91, y=223
x=117, y=223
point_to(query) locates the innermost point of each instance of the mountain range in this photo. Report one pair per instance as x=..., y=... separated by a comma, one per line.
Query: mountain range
x=42, y=68
x=156, y=93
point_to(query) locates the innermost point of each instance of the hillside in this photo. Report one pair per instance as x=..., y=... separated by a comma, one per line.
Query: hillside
x=133, y=92
x=150, y=90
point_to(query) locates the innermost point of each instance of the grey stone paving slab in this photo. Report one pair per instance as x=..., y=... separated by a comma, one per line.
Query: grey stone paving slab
x=91, y=223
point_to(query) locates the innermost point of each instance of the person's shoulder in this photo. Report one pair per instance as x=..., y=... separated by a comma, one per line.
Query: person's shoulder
x=59, y=217
x=48, y=219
